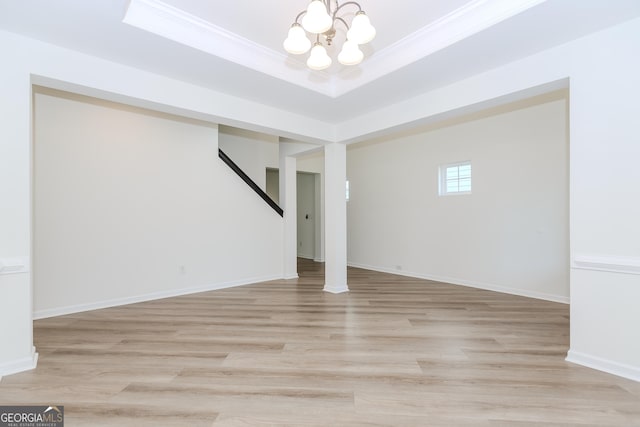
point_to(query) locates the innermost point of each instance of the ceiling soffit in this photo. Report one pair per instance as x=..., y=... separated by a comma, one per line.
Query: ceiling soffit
x=175, y=24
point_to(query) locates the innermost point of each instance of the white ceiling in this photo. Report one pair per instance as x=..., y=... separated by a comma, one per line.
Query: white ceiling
x=235, y=46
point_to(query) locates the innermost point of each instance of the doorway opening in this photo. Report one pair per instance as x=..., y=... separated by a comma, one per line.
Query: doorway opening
x=308, y=210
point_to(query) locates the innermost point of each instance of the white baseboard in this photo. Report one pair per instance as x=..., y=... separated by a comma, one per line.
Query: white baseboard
x=291, y=276
x=305, y=256
x=61, y=311
x=20, y=365
x=472, y=284
x=318, y=259
x=604, y=365
x=336, y=289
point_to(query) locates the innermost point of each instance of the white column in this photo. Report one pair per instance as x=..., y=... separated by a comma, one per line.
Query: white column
x=335, y=175
x=16, y=308
x=288, y=203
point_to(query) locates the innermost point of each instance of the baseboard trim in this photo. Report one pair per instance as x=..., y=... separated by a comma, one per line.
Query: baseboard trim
x=604, y=365
x=61, y=311
x=20, y=365
x=336, y=289
x=318, y=259
x=305, y=256
x=460, y=282
x=291, y=276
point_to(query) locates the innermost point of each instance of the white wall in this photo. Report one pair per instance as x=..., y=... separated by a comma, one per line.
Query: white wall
x=605, y=202
x=510, y=234
x=253, y=152
x=16, y=331
x=131, y=205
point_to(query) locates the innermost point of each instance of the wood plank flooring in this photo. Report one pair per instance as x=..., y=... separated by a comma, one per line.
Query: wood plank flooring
x=394, y=351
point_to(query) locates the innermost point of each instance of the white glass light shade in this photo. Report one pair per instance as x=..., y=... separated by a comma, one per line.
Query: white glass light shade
x=350, y=54
x=297, y=41
x=318, y=59
x=317, y=20
x=361, y=30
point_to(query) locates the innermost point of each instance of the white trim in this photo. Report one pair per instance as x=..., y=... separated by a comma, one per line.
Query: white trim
x=472, y=284
x=339, y=289
x=305, y=256
x=473, y=17
x=61, y=311
x=182, y=27
x=604, y=365
x=318, y=260
x=608, y=263
x=291, y=276
x=20, y=365
x=15, y=265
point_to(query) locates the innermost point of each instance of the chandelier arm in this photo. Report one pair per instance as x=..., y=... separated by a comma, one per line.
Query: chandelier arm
x=346, y=4
x=297, y=41
x=341, y=20
x=299, y=15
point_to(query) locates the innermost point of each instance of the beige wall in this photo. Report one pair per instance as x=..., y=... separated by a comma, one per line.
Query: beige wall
x=510, y=234
x=132, y=205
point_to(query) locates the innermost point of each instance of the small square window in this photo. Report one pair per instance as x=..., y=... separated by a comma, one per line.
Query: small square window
x=455, y=179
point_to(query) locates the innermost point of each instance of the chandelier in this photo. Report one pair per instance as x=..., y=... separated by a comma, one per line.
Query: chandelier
x=320, y=19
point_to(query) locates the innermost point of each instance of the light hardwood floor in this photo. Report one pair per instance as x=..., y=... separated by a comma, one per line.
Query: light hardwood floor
x=394, y=351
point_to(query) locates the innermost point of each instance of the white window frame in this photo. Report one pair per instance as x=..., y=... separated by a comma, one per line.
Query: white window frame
x=442, y=179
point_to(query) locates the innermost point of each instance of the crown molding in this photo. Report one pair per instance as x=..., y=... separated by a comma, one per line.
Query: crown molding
x=175, y=24
x=464, y=22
